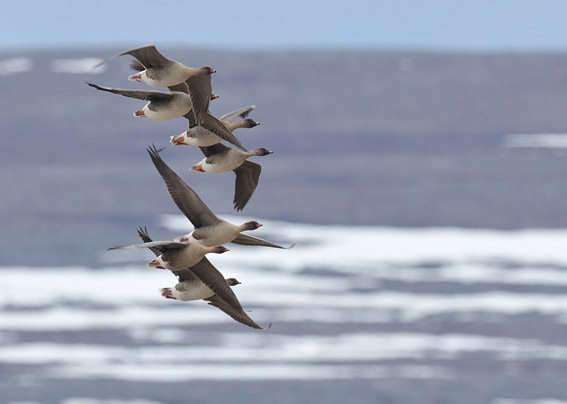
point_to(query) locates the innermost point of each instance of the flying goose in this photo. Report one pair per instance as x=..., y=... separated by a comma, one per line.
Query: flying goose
x=210, y=230
x=205, y=133
x=204, y=281
x=163, y=106
x=177, y=254
x=231, y=122
x=156, y=69
x=220, y=158
x=197, y=135
x=243, y=123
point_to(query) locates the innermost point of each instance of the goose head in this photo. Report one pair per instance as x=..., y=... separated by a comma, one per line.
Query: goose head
x=232, y=281
x=262, y=151
x=251, y=225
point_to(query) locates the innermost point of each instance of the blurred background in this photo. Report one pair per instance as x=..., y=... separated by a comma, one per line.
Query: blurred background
x=419, y=165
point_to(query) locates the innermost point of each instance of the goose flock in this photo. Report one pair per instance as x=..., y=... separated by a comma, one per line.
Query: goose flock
x=190, y=92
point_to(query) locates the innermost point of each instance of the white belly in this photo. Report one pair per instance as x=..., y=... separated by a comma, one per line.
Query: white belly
x=164, y=114
x=227, y=165
x=187, y=291
x=199, y=136
x=168, y=78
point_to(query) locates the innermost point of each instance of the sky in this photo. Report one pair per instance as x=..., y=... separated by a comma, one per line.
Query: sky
x=480, y=25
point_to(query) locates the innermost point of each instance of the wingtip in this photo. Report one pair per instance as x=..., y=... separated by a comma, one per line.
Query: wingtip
x=153, y=151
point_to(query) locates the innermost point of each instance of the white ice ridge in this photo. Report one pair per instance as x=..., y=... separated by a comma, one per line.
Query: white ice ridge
x=355, y=246
x=83, y=65
x=15, y=65
x=537, y=140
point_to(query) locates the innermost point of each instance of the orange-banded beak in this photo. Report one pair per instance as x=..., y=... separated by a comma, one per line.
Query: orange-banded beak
x=155, y=264
x=198, y=168
x=135, y=77
x=177, y=140
x=139, y=113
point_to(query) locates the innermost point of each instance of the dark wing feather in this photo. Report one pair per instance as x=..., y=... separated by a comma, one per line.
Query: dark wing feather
x=186, y=199
x=136, y=65
x=148, y=56
x=241, y=112
x=185, y=275
x=211, y=277
x=209, y=151
x=245, y=239
x=218, y=128
x=237, y=314
x=200, y=91
x=191, y=118
x=161, y=246
x=143, y=233
x=247, y=176
x=139, y=94
x=181, y=87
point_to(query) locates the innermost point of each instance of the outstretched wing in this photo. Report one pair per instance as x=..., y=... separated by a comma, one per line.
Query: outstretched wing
x=217, y=127
x=245, y=239
x=139, y=94
x=237, y=314
x=224, y=297
x=200, y=91
x=143, y=233
x=211, y=277
x=186, y=199
x=241, y=112
x=158, y=245
x=147, y=55
x=247, y=176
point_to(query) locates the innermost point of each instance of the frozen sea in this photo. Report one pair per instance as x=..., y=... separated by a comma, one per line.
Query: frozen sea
x=359, y=314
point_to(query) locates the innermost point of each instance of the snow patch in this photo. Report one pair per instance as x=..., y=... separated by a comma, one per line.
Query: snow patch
x=84, y=65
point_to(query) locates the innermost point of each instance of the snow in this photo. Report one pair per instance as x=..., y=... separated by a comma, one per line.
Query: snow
x=75, y=66
x=15, y=65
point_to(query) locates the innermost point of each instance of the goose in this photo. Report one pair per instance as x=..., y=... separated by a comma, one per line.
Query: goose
x=177, y=254
x=198, y=87
x=210, y=230
x=207, y=132
x=179, y=101
x=197, y=135
x=230, y=119
x=204, y=282
x=162, y=106
x=156, y=69
x=219, y=158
